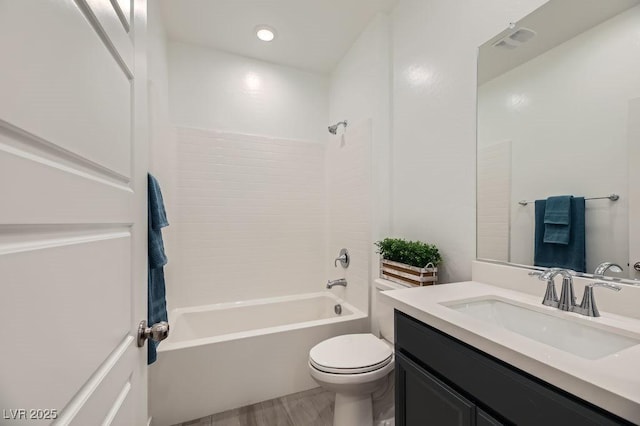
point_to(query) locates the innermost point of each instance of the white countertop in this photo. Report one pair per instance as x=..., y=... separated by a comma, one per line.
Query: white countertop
x=611, y=382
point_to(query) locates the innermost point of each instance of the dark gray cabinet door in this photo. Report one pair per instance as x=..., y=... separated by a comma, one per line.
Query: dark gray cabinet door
x=484, y=419
x=422, y=399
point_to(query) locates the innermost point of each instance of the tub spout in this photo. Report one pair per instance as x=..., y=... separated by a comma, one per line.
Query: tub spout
x=339, y=281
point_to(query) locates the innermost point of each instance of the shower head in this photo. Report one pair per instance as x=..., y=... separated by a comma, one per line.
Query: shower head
x=334, y=129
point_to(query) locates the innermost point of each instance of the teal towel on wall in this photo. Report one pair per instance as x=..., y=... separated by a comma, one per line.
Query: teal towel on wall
x=156, y=298
x=557, y=220
x=567, y=256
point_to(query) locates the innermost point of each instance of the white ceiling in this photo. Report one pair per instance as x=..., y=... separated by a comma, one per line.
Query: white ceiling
x=311, y=34
x=555, y=22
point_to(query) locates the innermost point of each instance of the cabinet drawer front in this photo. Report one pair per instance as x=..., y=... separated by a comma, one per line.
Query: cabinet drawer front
x=492, y=383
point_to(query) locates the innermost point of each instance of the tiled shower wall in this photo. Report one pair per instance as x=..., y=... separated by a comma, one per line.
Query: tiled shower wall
x=349, y=203
x=250, y=217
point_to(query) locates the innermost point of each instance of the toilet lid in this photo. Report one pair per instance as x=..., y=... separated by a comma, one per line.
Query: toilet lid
x=350, y=354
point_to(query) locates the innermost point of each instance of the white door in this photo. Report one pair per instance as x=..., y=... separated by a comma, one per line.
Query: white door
x=73, y=155
x=634, y=187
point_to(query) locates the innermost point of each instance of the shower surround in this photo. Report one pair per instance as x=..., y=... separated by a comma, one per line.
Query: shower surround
x=249, y=218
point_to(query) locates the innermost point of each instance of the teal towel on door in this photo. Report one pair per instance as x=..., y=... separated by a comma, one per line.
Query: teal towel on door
x=568, y=256
x=557, y=220
x=156, y=298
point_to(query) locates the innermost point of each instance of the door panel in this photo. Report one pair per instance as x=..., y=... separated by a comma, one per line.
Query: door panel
x=123, y=9
x=122, y=410
x=117, y=38
x=109, y=395
x=63, y=85
x=74, y=192
x=73, y=291
x=73, y=161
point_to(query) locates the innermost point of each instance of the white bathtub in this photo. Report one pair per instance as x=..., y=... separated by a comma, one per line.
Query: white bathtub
x=225, y=356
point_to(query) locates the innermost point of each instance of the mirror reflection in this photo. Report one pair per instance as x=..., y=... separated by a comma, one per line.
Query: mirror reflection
x=558, y=112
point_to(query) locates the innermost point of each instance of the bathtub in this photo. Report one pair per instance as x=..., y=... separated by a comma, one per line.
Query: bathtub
x=224, y=356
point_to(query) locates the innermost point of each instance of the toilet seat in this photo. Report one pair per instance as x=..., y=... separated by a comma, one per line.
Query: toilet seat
x=351, y=354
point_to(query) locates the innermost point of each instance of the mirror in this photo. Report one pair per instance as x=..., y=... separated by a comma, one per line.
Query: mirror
x=558, y=97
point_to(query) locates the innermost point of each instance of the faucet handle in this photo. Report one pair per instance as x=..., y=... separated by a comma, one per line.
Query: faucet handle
x=588, y=305
x=605, y=285
x=550, y=295
x=343, y=258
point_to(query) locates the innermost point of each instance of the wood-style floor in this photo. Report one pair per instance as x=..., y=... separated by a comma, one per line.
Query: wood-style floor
x=310, y=408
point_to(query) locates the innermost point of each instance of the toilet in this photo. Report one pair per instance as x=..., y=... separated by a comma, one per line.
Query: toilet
x=354, y=366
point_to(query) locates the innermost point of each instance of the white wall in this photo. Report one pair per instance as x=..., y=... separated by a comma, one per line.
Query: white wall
x=162, y=138
x=435, y=46
x=216, y=90
x=249, y=214
x=572, y=110
x=359, y=211
x=249, y=221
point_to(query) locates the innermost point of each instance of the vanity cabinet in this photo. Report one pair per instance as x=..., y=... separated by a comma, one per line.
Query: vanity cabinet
x=443, y=381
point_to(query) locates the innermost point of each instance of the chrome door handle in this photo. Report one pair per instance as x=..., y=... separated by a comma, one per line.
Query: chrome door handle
x=157, y=332
x=636, y=266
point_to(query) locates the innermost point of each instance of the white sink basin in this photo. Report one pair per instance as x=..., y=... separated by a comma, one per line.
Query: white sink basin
x=569, y=334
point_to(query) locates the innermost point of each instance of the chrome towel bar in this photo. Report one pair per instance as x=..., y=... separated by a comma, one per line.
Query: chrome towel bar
x=612, y=197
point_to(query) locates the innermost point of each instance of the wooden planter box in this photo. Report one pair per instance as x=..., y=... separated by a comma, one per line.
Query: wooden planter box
x=405, y=274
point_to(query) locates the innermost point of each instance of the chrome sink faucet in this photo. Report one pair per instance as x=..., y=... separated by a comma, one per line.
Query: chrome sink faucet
x=602, y=268
x=339, y=281
x=567, y=300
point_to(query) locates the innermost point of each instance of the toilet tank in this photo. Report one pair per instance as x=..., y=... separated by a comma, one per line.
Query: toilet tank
x=383, y=313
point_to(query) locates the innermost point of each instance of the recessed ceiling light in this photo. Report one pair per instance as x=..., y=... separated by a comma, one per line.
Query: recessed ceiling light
x=265, y=33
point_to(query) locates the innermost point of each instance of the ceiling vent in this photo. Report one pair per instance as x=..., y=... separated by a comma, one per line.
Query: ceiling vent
x=515, y=39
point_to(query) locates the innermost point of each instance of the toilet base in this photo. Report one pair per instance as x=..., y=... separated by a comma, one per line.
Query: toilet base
x=353, y=410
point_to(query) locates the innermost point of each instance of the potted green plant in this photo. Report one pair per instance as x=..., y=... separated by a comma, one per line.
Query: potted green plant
x=408, y=262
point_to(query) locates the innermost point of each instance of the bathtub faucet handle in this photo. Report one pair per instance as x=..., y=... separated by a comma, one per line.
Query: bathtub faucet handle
x=343, y=258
